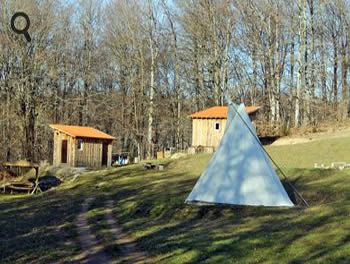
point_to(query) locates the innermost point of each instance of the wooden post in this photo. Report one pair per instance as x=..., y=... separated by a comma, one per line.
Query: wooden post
x=37, y=186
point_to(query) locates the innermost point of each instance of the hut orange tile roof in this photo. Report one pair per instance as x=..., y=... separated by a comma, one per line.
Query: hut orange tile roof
x=81, y=131
x=220, y=112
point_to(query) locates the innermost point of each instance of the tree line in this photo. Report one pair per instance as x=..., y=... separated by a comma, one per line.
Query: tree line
x=136, y=69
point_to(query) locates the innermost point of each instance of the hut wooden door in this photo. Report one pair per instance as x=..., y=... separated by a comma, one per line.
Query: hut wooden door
x=104, y=154
x=64, y=151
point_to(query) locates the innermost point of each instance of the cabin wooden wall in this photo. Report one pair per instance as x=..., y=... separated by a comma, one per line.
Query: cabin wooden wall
x=89, y=156
x=204, y=132
x=57, y=152
x=109, y=161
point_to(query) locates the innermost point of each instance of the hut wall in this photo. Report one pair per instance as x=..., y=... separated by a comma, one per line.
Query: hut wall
x=57, y=153
x=91, y=153
x=109, y=161
x=204, y=132
x=56, y=149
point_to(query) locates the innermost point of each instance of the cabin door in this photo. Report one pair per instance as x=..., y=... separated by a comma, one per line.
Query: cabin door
x=104, y=154
x=64, y=151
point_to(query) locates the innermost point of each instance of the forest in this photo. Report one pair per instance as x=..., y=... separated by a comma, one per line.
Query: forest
x=137, y=69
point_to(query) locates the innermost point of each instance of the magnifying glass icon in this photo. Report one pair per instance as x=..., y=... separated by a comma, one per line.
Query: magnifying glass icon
x=23, y=31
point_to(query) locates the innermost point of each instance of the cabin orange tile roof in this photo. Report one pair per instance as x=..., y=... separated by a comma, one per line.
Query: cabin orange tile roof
x=220, y=112
x=81, y=131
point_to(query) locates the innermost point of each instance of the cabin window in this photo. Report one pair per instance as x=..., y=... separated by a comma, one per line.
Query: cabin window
x=80, y=144
x=217, y=126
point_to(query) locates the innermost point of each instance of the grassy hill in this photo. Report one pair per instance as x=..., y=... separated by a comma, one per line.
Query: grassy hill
x=306, y=154
x=149, y=206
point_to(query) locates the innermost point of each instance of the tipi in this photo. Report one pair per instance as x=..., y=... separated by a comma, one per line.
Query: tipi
x=240, y=171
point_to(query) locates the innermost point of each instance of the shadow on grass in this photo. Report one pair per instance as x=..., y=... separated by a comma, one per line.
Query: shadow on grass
x=226, y=235
x=150, y=206
x=40, y=228
x=174, y=232
x=36, y=229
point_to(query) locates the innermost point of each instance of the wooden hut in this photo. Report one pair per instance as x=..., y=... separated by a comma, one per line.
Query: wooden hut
x=208, y=126
x=78, y=146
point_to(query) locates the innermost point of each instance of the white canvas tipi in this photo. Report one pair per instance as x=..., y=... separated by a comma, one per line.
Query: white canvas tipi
x=240, y=171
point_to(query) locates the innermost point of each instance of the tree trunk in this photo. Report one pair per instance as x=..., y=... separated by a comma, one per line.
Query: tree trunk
x=335, y=71
x=344, y=67
x=301, y=60
x=196, y=73
x=271, y=67
x=291, y=80
x=8, y=125
x=255, y=76
x=323, y=72
x=278, y=68
x=214, y=53
x=150, y=106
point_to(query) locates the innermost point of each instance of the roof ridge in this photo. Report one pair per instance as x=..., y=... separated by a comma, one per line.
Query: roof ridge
x=220, y=112
x=81, y=131
x=71, y=125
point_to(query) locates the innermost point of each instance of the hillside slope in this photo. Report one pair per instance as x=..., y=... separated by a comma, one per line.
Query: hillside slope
x=149, y=205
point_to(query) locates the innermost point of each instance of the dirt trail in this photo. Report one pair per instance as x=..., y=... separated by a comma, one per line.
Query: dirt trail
x=92, y=251
x=128, y=248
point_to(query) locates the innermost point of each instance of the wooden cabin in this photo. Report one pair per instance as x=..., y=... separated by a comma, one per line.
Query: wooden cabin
x=208, y=126
x=78, y=146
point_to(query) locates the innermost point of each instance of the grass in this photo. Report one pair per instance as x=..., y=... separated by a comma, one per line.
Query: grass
x=149, y=205
x=36, y=229
x=305, y=155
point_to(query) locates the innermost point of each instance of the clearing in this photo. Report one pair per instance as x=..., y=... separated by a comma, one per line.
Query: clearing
x=325, y=133
x=148, y=206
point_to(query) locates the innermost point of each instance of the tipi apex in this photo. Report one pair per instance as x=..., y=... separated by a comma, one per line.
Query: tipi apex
x=240, y=172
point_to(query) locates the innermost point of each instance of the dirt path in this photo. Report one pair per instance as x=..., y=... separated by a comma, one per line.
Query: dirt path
x=130, y=252
x=92, y=252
